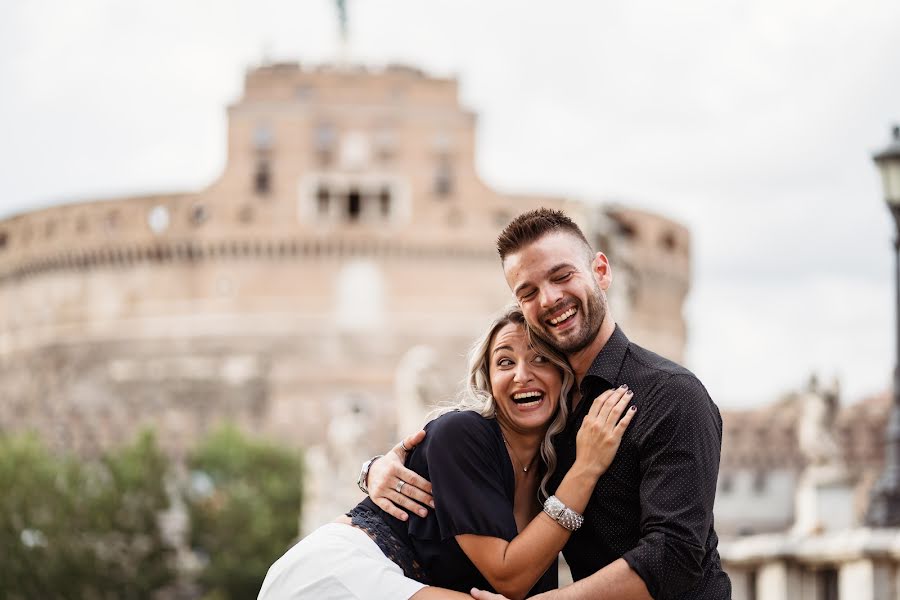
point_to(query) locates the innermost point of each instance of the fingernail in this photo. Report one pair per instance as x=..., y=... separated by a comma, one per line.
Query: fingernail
x=629, y=393
x=403, y=517
x=623, y=387
x=422, y=512
x=633, y=408
x=431, y=504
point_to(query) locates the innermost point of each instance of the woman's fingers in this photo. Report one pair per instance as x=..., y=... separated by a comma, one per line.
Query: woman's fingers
x=600, y=401
x=619, y=407
x=622, y=425
x=418, y=483
x=403, y=499
x=408, y=443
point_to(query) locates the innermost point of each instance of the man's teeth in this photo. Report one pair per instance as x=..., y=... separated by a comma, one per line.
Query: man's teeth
x=563, y=316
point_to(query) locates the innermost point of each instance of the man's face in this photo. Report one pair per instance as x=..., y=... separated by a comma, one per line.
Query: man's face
x=560, y=289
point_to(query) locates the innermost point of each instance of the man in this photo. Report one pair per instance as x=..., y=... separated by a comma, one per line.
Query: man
x=648, y=529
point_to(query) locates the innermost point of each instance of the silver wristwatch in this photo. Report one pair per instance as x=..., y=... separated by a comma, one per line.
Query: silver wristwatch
x=562, y=514
x=364, y=474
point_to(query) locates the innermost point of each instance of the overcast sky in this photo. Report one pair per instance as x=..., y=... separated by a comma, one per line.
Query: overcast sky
x=751, y=122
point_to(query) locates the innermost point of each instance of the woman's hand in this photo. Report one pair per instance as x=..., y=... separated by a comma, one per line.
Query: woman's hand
x=602, y=429
x=385, y=475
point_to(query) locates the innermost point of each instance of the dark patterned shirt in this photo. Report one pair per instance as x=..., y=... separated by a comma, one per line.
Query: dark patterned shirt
x=654, y=505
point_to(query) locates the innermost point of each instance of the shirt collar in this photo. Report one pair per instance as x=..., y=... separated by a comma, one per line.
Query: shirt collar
x=608, y=362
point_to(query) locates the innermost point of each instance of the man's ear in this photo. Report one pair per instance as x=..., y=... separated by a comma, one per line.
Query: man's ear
x=602, y=271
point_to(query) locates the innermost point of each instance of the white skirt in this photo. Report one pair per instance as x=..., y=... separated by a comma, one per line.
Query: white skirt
x=336, y=562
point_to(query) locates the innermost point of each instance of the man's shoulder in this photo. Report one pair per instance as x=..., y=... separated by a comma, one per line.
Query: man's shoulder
x=656, y=362
x=672, y=379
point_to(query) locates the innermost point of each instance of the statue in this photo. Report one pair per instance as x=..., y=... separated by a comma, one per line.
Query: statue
x=815, y=427
x=417, y=387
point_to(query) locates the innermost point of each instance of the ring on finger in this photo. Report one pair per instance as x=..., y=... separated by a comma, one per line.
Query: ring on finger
x=402, y=445
x=400, y=485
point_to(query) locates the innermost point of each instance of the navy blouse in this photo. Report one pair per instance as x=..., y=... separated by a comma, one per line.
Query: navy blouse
x=464, y=457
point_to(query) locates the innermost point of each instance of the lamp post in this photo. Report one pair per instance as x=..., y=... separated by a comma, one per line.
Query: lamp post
x=884, y=505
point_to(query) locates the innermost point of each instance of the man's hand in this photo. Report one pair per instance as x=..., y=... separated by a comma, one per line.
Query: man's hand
x=385, y=476
x=483, y=595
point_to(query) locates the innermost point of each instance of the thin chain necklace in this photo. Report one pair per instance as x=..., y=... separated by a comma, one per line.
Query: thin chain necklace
x=513, y=452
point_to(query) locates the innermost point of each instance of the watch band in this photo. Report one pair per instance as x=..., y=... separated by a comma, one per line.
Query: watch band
x=362, y=482
x=562, y=514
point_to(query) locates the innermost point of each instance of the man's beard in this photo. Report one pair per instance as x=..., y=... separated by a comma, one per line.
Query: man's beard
x=576, y=341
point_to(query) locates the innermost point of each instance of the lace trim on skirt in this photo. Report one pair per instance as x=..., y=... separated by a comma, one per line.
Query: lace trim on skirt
x=384, y=537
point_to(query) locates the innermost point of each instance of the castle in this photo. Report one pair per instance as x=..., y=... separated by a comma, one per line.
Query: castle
x=348, y=229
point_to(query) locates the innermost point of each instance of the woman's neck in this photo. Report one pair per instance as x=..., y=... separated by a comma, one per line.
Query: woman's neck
x=524, y=446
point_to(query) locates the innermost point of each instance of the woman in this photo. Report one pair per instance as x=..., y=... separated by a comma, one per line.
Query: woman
x=487, y=464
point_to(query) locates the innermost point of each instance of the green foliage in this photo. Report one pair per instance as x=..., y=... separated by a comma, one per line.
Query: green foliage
x=73, y=529
x=244, y=506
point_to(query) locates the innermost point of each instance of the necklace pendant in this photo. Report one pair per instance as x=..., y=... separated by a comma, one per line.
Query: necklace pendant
x=525, y=469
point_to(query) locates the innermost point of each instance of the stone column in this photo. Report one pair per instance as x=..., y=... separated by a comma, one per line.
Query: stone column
x=780, y=581
x=866, y=579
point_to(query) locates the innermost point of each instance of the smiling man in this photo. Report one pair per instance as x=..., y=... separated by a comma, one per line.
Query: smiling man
x=648, y=529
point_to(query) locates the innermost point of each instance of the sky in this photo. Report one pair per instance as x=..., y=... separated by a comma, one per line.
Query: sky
x=753, y=123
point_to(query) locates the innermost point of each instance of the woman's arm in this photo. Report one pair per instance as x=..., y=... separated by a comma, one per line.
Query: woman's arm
x=513, y=568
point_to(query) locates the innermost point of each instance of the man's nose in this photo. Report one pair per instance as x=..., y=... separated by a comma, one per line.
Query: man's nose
x=549, y=296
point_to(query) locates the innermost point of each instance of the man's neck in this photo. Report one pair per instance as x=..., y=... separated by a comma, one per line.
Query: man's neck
x=581, y=360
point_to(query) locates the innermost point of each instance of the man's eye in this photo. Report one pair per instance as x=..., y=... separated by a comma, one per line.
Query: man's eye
x=527, y=295
x=564, y=277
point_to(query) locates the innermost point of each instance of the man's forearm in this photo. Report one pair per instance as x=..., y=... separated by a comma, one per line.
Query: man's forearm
x=615, y=581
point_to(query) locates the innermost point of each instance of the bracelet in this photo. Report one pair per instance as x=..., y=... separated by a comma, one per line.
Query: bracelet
x=562, y=514
x=362, y=482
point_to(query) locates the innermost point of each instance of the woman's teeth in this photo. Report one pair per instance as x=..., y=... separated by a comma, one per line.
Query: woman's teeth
x=527, y=399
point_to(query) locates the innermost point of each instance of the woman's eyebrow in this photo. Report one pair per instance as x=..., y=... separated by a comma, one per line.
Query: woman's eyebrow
x=499, y=348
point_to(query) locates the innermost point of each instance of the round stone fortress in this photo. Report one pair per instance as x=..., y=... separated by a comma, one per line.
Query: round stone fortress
x=338, y=268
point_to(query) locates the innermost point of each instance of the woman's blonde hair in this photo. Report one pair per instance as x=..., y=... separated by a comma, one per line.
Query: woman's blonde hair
x=476, y=394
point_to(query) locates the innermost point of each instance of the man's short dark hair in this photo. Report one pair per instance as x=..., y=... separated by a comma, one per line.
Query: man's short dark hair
x=531, y=226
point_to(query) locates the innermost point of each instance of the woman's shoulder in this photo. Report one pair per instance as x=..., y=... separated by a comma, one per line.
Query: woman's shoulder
x=460, y=423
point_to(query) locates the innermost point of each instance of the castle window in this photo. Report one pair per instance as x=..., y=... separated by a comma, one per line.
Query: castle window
x=354, y=204
x=827, y=584
x=262, y=137
x=262, y=180
x=322, y=203
x=325, y=142
x=245, y=215
x=384, y=201
x=385, y=145
x=759, y=482
x=726, y=484
x=668, y=241
x=443, y=179
x=199, y=215
x=158, y=219
x=112, y=220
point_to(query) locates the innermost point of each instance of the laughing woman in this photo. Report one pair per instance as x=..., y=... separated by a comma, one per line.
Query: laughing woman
x=489, y=463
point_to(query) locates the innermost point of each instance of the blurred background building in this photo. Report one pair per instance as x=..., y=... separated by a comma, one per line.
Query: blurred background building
x=323, y=291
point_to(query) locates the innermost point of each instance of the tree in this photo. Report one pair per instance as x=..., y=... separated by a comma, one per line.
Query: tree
x=82, y=529
x=244, y=503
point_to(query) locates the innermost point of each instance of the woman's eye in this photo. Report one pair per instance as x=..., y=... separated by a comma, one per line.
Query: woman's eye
x=541, y=359
x=504, y=362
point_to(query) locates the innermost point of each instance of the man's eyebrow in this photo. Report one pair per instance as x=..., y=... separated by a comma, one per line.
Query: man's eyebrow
x=499, y=348
x=560, y=266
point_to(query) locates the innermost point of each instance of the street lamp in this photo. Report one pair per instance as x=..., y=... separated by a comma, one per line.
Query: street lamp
x=884, y=505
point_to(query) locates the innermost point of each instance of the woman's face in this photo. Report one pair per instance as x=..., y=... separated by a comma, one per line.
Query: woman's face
x=525, y=385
